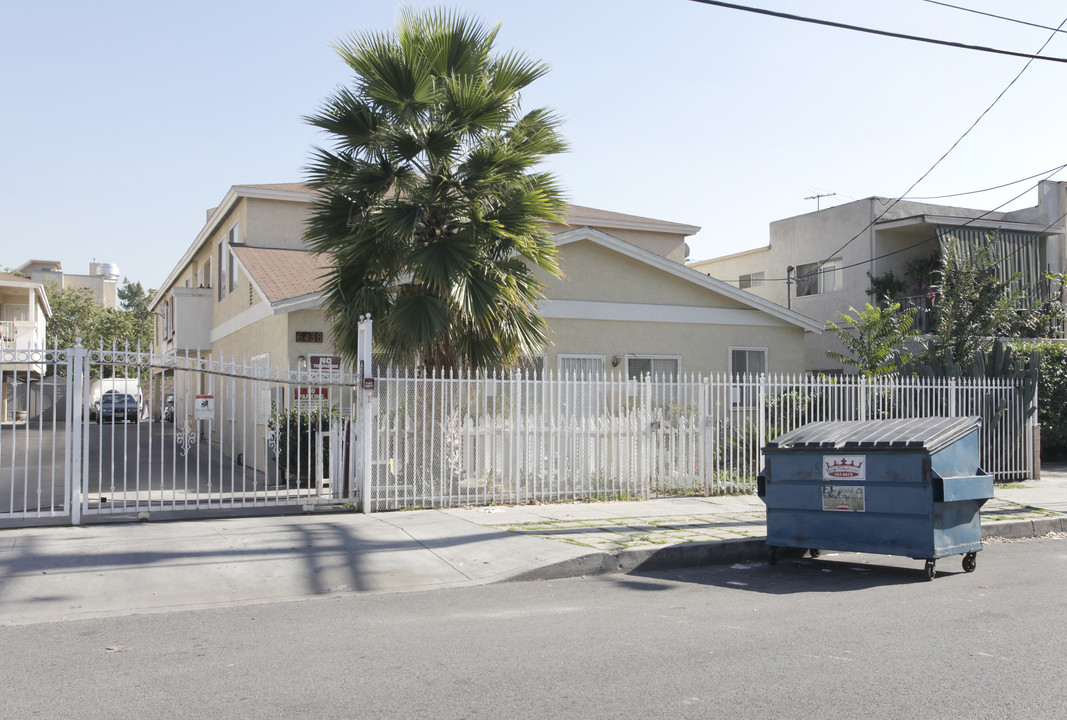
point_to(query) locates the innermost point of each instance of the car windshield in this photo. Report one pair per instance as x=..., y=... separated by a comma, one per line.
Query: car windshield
x=116, y=398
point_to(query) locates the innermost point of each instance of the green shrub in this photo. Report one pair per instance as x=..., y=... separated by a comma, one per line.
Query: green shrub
x=1052, y=399
x=295, y=430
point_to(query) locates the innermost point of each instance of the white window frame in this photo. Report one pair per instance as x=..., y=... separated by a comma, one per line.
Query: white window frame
x=636, y=356
x=261, y=411
x=581, y=397
x=222, y=270
x=751, y=280
x=748, y=400
x=579, y=356
x=233, y=271
x=827, y=277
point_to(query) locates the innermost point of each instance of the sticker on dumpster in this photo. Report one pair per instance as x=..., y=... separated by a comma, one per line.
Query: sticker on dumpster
x=844, y=467
x=843, y=498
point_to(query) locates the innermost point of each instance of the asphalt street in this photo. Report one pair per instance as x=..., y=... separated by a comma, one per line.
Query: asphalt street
x=843, y=636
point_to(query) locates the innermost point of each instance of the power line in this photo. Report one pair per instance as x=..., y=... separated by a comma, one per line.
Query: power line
x=998, y=17
x=989, y=189
x=884, y=33
x=946, y=153
x=969, y=221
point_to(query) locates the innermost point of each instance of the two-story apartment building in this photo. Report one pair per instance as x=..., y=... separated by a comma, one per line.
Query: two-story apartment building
x=248, y=290
x=24, y=313
x=818, y=263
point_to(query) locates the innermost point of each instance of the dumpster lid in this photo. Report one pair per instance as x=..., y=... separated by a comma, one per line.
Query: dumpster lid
x=930, y=434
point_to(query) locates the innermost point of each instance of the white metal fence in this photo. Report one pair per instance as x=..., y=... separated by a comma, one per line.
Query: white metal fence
x=234, y=435
x=201, y=435
x=481, y=439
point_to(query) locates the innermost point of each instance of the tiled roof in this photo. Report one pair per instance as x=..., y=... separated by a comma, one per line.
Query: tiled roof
x=283, y=274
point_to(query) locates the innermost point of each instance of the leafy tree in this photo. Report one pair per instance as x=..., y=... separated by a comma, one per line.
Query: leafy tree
x=880, y=334
x=429, y=201
x=973, y=306
x=77, y=314
x=134, y=298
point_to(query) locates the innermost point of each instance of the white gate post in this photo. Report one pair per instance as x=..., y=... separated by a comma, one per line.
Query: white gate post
x=365, y=367
x=77, y=375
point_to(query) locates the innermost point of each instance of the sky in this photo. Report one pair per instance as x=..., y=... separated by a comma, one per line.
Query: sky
x=122, y=123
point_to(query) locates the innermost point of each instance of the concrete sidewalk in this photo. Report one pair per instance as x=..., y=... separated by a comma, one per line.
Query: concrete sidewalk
x=61, y=573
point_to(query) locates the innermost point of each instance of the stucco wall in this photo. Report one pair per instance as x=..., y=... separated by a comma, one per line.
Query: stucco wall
x=274, y=223
x=703, y=348
x=592, y=272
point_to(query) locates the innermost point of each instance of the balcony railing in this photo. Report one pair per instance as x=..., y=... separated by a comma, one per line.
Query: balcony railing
x=924, y=317
x=17, y=335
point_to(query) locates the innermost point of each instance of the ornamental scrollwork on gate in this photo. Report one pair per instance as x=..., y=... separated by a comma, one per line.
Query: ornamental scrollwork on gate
x=185, y=438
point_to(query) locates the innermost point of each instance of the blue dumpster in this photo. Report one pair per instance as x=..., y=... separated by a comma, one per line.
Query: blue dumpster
x=896, y=487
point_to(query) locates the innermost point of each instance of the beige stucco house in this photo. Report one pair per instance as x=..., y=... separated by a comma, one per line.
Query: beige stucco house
x=247, y=290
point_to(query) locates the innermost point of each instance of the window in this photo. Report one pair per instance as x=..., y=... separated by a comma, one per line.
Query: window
x=581, y=367
x=817, y=278
x=750, y=280
x=233, y=272
x=746, y=363
x=262, y=389
x=223, y=254
x=656, y=368
x=584, y=396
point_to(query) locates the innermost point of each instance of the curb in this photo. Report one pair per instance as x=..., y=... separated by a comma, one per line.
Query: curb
x=687, y=555
x=1015, y=529
x=671, y=557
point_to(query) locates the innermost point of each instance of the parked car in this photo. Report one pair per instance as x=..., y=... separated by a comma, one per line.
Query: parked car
x=115, y=406
x=130, y=386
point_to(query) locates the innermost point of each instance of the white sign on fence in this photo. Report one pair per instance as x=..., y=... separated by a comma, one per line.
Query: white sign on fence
x=205, y=407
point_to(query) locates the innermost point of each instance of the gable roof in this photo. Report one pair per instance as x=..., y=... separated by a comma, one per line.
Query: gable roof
x=282, y=274
x=688, y=274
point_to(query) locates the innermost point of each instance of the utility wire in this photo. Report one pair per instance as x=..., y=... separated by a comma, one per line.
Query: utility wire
x=872, y=31
x=946, y=153
x=969, y=221
x=998, y=17
x=989, y=189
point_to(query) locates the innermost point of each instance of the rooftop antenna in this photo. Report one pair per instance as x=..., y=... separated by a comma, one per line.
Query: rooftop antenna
x=816, y=199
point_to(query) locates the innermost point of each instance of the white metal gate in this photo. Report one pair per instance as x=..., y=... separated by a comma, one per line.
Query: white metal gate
x=119, y=432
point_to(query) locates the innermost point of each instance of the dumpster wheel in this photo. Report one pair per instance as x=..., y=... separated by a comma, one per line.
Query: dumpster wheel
x=772, y=555
x=970, y=560
x=814, y=552
x=930, y=571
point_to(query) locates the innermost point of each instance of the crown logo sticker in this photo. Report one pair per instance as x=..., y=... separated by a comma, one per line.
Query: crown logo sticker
x=843, y=467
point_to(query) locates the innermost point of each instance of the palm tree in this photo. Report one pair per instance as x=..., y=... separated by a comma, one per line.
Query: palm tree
x=429, y=201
